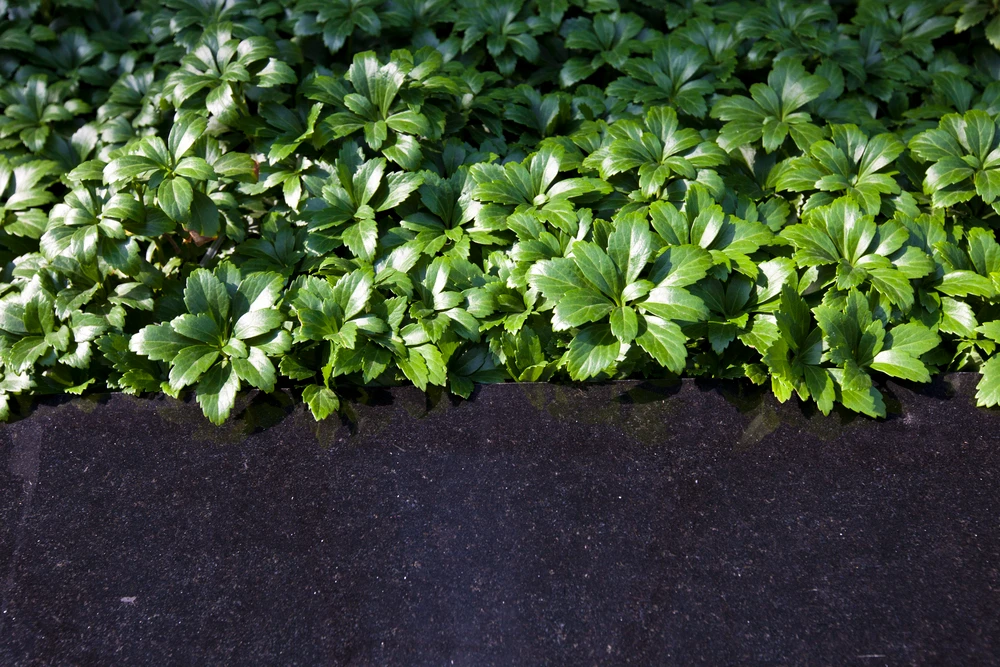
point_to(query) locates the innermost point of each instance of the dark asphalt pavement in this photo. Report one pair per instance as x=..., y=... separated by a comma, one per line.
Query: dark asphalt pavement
x=536, y=524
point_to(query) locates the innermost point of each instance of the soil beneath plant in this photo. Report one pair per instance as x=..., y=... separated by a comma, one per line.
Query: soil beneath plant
x=534, y=524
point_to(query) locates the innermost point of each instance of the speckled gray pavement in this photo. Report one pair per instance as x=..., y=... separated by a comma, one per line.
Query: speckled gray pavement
x=637, y=523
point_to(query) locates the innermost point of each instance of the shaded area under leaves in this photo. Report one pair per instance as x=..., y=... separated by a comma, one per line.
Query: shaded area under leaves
x=533, y=524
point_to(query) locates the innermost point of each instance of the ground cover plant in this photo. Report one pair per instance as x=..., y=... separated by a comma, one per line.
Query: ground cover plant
x=216, y=195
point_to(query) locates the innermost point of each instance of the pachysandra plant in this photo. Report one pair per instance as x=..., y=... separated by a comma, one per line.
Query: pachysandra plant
x=965, y=155
x=376, y=99
x=337, y=319
x=850, y=163
x=599, y=291
x=32, y=109
x=345, y=211
x=505, y=26
x=773, y=111
x=861, y=252
x=228, y=336
x=531, y=188
x=675, y=74
x=221, y=69
x=447, y=206
x=43, y=340
x=337, y=21
x=177, y=178
x=310, y=196
x=23, y=193
x=607, y=39
x=701, y=221
x=657, y=150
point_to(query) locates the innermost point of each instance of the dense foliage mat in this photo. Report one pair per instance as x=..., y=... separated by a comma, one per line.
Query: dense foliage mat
x=221, y=194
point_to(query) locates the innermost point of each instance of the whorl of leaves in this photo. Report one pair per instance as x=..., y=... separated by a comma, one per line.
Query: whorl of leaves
x=213, y=195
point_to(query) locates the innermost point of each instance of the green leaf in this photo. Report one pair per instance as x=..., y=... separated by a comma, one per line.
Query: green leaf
x=222, y=103
x=275, y=73
x=129, y=167
x=859, y=395
x=199, y=327
x=204, y=293
x=901, y=365
x=400, y=185
x=196, y=168
x=993, y=32
x=256, y=369
x=964, y=283
x=912, y=338
x=665, y=342
x=598, y=268
x=554, y=278
x=630, y=246
x=175, y=197
x=257, y=323
x=681, y=266
x=674, y=303
x=624, y=324
x=353, y=292
x=322, y=401
x=958, y=318
x=159, y=342
x=362, y=238
x=988, y=389
x=233, y=165
x=25, y=352
x=257, y=291
x=592, y=351
x=770, y=114
x=991, y=330
x=578, y=307
x=184, y=133
x=189, y=365
x=988, y=184
x=216, y=393
x=204, y=217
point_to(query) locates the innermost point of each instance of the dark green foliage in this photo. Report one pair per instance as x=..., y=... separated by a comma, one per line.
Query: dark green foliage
x=221, y=195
